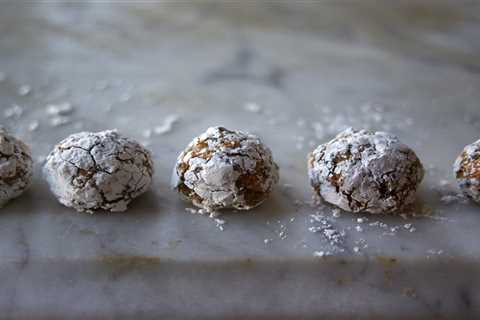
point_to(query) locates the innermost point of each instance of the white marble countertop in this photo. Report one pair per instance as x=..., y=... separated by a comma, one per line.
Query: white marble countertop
x=311, y=70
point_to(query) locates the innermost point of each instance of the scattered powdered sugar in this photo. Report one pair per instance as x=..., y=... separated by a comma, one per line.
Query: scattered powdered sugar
x=59, y=114
x=449, y=194
x=220, y=223
x=282, y=232
x=434, y=252
x=299, y=144
x=163, y=129
x=361, y=244
x=167, y=125
x=33, y=126
x=392, y=230
x=449, y=199
x=24, y=90
x=58, y=121
x=15, y=111
x=191, y=210
x=336, y=212
x=213, y=214
x=378, y=224
x=64, y=108
x=252, y=107
x=349, y=234
x=323, y=226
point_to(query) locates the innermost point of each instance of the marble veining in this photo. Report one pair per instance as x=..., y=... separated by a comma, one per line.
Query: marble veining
x=244, y=67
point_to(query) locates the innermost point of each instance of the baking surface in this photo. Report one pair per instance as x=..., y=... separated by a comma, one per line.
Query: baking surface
x=293, y=74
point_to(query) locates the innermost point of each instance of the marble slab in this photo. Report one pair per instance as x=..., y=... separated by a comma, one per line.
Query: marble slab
x=294, y=73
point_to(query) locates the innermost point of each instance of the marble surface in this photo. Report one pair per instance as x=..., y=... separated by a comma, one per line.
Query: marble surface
x=295, y=73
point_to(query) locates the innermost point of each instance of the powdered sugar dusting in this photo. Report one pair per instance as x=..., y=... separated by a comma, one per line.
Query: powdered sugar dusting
x=104, y=170
x=467, y=171
x=225, y=169
x=365, y=171
x=16, y=167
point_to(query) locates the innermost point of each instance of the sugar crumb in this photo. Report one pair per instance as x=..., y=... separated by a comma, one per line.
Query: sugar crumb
x=252, y=107
x=24, y=90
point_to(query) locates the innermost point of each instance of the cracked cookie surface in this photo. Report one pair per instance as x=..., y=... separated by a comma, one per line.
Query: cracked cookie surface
x=15, y=167
x=467, y=171
x=223, y=169
x=98, y=171
x=365, y=171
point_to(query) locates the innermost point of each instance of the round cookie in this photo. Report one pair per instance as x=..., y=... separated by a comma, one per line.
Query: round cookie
x=223, y=169
x=467, y=171
x=365, y=171
x=16, y=167
x=104, y=170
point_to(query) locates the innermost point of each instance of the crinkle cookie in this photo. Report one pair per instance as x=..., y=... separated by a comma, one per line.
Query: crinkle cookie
x=364, y=171
x=225, y=169
x=16, y=167
x=104, y=170
x=467, y=171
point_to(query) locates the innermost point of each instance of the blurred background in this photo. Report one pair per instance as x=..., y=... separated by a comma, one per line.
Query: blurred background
x=294, y=72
